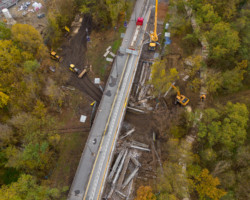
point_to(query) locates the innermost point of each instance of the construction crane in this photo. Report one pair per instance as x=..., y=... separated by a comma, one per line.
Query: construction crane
x=153, y=35
x=181, y=99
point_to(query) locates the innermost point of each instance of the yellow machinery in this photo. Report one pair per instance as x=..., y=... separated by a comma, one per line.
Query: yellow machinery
x=54, y=56
x=181, y=99
x=73, y=68
x=77, y=71
x=153, y=35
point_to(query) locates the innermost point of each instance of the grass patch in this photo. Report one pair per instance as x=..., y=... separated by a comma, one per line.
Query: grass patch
x=116, y=45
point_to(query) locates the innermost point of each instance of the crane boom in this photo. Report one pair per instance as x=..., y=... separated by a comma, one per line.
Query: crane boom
x=156, y=11
x=154, y=36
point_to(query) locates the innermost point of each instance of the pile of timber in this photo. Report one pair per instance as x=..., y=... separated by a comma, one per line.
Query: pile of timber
x=142, y=94
x=124, y=171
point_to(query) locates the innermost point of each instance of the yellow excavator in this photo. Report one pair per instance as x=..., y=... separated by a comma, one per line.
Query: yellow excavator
x=153, y=35
x=181, y=99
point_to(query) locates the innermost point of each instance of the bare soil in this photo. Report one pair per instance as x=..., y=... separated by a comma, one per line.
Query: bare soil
x=74, y=52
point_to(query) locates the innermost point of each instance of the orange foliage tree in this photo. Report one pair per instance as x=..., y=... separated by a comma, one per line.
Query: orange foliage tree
x=145, y=193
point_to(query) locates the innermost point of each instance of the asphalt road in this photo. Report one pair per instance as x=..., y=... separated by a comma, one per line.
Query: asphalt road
x=93, y=167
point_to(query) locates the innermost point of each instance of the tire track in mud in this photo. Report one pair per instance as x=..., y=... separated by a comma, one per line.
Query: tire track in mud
x=74, y=52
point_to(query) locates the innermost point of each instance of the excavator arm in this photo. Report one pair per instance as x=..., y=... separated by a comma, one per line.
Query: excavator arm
x=177, y=91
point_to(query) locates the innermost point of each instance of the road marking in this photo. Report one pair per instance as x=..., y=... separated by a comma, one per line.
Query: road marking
x=117, y=91
x=117, y=127
x=124, y=106
x=111, y=112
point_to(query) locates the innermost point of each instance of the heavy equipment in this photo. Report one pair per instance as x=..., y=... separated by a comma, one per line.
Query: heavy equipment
x=54, y=56
x=181, y=99
x=74, y=69
x=153, y=35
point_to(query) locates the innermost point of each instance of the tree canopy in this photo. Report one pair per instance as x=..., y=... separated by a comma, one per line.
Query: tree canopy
x=226, y=126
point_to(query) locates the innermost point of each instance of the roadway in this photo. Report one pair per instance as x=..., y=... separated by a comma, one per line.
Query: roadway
x=93, y=167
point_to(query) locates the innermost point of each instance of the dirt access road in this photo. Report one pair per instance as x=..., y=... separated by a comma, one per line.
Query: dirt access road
x=74, y=52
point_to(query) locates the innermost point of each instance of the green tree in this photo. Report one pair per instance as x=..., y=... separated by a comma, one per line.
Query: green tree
x=218, y=38
x=225, y=8
x=232, y=79
x=226, y=126
x=30, y=65
x=207, y=17
x=214, y=82
x=26, y=188
x=5, y=32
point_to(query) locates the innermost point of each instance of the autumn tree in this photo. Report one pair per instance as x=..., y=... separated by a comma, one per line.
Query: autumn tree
x=145, y=193
x=4, y=98
x=162, y=78
x=29, y=39
x=207, y=186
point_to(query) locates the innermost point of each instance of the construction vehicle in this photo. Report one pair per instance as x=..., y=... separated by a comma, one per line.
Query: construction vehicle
x=74, y=69
x=54, y=56
x=181, y=99
x=153, y=35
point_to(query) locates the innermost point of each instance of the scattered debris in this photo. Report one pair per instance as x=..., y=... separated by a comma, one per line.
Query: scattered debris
x=41, y=15
x=83, y=118
x=118, y=159
x=128, y=133
x=131, y=176
x=52, y=68
x=135, y=109
x=97, y=81
x=121, y=194
x=108, y=48
x=37, y=6
x=109, y=59
x=135, y=161
x=140, y=144
x=24, y=6
x=185, y=78
x=140, y=148
x=112, y=54
x=106, y=53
